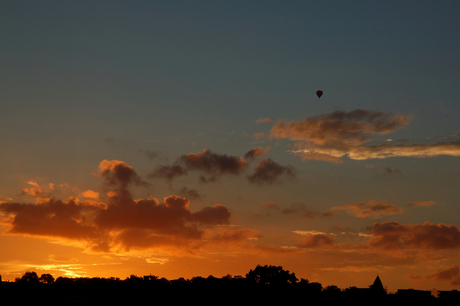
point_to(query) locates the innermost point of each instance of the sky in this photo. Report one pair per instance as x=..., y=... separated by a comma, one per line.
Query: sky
x=185, y=138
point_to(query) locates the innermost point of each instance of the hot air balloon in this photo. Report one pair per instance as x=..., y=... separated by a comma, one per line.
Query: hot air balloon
x=319, y=93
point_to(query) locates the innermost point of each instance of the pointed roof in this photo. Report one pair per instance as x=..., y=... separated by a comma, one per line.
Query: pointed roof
x=377, y=285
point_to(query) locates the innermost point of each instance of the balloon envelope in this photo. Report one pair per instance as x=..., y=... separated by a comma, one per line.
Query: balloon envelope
x=319, y=93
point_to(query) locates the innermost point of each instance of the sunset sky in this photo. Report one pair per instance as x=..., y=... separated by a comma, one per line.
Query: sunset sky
x=185, y=138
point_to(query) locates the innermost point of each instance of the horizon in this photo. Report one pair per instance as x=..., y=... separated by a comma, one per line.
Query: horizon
x=184, y=138
x=143, y=277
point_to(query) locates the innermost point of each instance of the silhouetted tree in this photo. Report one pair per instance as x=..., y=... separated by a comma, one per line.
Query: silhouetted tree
x=271, y=275
x=46, y=279
x=29, y=278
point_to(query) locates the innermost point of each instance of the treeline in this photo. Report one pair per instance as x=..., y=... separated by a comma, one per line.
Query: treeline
x=265, y=284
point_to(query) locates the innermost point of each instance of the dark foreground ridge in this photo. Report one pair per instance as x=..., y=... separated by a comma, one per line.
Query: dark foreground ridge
x=270, y=285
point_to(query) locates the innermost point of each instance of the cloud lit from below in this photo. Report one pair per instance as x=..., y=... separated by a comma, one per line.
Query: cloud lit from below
x=120, y=223
x=330, y=137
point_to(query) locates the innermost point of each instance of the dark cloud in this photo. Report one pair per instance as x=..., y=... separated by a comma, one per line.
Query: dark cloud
x=168, y=172
x=451, y=275
x=213, y=163
x=268, y=171
x=52, y=218
x=120, y=223
x=393, y=235
x=118, y=173
x=316, y=240
x=219, y=214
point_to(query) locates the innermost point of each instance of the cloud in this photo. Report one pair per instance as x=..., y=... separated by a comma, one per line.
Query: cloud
x=415, y=150
x=256, y=152
x=370, y=209
x=213, y=163
x=451, y=275
x=422, y=204
x=5, y=200
x=393, y=236
x=268, y=171
x=118, y=173
x=316, y=240
x=168, y=172
x=330, y=137
x=90, y=194
x=339, y=128
x=33, y=191
x=218, y=214
x=52, y=218
x=122, y=222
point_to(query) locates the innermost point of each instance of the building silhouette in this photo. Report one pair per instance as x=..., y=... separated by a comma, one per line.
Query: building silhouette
x=449, y=297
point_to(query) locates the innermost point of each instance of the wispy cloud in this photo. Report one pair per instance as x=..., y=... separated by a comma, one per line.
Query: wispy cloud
x=372, y=208
x=422, y=204
x=330, y=137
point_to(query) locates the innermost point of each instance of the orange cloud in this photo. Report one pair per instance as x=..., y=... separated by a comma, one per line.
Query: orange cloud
x=340, y=128
x=90, y=194
x=122, y=223
x=415, y=150
x=118, y=173
x=370, y=209
x=422, y=204
x=330, y=137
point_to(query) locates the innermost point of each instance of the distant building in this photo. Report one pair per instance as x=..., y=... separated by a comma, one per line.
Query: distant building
x=377, y=286
x=408, y=295
x=449, y=297
x=374, y=291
